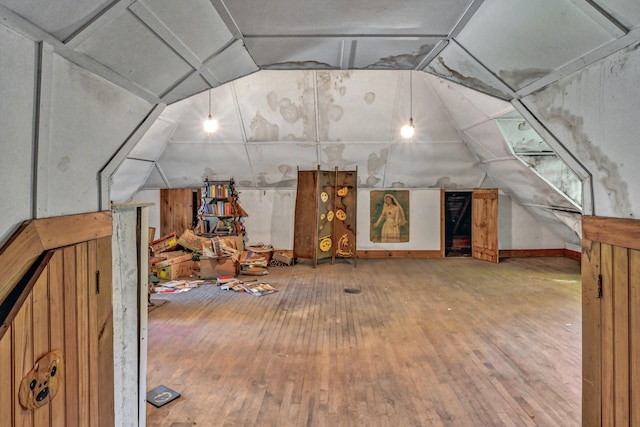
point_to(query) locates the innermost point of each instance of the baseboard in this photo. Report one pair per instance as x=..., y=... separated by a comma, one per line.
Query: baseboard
x=573, y=254
x=523, y=253
x=399, y=254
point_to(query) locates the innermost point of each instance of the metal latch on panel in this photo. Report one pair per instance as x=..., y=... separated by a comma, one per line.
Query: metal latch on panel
x=599, y=285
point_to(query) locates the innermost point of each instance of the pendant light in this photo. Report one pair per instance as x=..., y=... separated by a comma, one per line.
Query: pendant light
x=211, y=124
x=408, y=130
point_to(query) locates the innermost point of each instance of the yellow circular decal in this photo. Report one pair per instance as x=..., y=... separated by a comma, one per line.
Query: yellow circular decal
x=322, y=217
x=330, y=216
x=324, y=196
x=341, y=215
x=325, y=244
x=343, y=191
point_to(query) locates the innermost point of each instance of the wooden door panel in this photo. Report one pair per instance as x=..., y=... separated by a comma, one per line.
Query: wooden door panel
x=484, y=234
x=305, y=236
x=634, y=326
x=591, y=334
x=176, y=210
x=611, y=322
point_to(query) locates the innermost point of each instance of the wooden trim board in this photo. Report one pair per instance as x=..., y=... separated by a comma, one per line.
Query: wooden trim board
x=39, y=235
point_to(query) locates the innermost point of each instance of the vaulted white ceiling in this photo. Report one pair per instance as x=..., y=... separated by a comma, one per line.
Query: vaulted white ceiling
x=296, y=84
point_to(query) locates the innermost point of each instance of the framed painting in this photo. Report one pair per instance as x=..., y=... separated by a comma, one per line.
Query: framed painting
x=389, y=216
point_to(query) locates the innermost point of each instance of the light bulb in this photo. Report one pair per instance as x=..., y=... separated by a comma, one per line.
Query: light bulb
x=408, y=130
x=210, y=125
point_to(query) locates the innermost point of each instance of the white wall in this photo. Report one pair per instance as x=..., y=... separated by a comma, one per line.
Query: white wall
x=594, y=114
x=17, y=84
x=518, y=229
x=82, y=122
x=153, y=197
x=424, y=222
x=271, y=221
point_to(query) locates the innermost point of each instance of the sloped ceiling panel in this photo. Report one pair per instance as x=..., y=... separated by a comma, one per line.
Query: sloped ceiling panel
x=370, y=159
x=287, y=53
x=111, y=45
x=487, y=142
x=389, y=54
x=186, y=165
x=543, y=36
x=58, y=18
x=154, y=141
x=626, y=12
x=194, y=83
x=449, y=165
x=340, y=17
x=130, y=172
x=232, y=63
x=278, y=106
x=432, y=120
x=589, y=129
x=155, y=180
x=454, y=64
x=275, y=165
x=196, y=25
x=466, y=106
x=193, y=111
x=524, y=186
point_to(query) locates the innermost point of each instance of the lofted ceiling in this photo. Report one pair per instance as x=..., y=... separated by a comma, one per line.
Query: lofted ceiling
x=305, y=83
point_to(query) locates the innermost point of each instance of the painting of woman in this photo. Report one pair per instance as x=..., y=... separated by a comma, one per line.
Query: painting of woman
x=391, y=224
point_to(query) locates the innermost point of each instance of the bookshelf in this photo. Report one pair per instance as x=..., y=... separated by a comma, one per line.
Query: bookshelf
x=220, y=214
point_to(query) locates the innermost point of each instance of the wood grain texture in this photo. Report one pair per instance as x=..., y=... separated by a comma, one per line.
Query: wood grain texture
x=104, y=314
x=484, y=217
x=58, y=311
x=176, y=210
x=6, y=372
x=60, y=231
x=614, y=231
x=57, y=333
x=634, y=327
x=591, y=334
x=41, y=338
x=608, y=345
x=36, y=236
x=446, y=342
x=71, y=335
x=305, y=234
x=398, y=254
x=621, y=334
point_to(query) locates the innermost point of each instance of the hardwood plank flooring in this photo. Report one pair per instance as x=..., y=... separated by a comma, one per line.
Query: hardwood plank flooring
x=431, y=342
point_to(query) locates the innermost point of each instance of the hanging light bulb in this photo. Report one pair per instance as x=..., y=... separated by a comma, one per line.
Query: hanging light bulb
x=407, y=131
x=211, y=124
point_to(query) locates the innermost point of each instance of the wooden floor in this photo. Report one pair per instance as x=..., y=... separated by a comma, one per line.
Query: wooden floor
x=448, y=342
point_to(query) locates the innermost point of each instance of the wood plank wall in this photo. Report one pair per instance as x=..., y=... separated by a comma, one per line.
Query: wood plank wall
x=611, y=321
x=176, y=210
x=64, y=311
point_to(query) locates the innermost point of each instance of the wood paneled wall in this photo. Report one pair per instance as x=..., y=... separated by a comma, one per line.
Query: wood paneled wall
x=611, y=322
x=176, y=210
x=68, y=308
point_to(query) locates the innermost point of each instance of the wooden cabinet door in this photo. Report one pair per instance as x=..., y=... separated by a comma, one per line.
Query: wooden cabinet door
x=484, y=233
x=610, y=322
x=177, y=207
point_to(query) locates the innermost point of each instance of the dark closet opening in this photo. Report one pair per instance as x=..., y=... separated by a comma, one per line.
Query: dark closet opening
x=457, y=208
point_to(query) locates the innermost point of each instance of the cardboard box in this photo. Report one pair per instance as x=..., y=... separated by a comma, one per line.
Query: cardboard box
x=212, y=268
x=283, y=258
x=173, y=257
x=176, y=271
x=164, y=244
x=193, y=242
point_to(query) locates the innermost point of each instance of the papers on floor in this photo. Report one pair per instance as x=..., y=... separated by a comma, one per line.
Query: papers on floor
x=177, y=286
x=256, y=289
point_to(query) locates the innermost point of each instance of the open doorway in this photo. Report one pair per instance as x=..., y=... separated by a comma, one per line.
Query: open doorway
x=458, y=222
